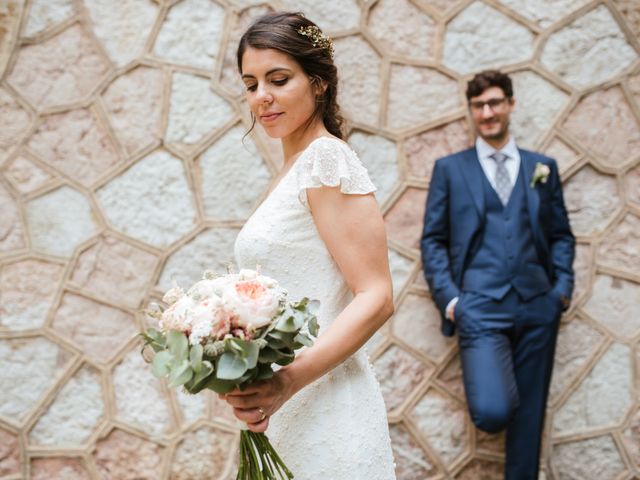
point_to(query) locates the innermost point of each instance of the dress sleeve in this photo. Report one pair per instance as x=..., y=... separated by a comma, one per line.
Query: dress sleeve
x=330, y=162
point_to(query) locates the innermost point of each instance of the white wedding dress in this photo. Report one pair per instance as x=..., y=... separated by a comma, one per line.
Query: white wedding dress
x=335, y=428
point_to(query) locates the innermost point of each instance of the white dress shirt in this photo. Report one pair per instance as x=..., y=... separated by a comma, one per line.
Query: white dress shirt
x=489, y=166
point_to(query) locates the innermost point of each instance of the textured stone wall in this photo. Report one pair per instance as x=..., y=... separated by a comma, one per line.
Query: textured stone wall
x=122, y=166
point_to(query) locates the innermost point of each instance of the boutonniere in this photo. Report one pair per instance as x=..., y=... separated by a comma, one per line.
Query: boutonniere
x=540, y=174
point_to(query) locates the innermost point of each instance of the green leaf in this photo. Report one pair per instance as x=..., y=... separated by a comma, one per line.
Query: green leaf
x=160, y=365
x=291, y=323
x=195, y=356
x=180, y=375
x=303, y=339
x=268, y=355
x=231, y=366
x=200, y=376
x=156, y=336
x=220, y=386
x=178, y=344
x=313, y=326
x=253, y=350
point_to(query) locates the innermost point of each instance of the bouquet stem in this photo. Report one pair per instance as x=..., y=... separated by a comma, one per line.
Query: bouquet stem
x=259, y=460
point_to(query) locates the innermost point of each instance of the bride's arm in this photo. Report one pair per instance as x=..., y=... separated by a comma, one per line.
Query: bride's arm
x=353, y=230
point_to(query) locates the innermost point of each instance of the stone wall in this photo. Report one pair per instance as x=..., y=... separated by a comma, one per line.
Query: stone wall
x=122, y=166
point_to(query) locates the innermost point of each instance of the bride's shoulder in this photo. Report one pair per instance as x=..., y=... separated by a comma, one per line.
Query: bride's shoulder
x=330, y=161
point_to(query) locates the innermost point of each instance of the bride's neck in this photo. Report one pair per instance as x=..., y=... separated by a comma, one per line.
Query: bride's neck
x=294, y=144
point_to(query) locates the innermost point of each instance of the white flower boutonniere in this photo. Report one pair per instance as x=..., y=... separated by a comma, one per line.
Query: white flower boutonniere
x=540, y=174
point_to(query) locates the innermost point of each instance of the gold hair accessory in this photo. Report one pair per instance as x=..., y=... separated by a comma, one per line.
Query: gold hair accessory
x=318, y=39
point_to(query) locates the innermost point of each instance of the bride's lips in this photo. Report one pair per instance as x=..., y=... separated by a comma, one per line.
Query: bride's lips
x=270, y=117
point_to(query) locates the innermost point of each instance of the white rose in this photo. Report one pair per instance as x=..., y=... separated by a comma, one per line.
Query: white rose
x=254, y=304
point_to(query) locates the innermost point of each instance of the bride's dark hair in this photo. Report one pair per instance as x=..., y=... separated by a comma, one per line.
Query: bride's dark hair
x=281, y=31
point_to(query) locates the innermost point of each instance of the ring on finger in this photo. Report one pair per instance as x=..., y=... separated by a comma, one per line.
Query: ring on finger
x=263, y=415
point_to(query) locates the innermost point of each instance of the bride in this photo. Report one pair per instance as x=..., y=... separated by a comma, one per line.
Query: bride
x=320, y=233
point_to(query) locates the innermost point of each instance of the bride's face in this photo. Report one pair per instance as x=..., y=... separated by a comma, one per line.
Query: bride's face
x=279, y=93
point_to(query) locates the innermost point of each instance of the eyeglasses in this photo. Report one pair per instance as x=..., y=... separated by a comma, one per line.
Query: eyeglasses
x=494, y=104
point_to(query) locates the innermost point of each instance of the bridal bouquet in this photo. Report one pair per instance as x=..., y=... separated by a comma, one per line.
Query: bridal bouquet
x=224, y=333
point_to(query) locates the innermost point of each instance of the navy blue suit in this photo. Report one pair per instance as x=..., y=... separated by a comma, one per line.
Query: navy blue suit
x=510, y=266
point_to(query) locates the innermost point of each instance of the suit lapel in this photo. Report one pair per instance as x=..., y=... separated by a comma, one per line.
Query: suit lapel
x=472, y=173
x=528, y=165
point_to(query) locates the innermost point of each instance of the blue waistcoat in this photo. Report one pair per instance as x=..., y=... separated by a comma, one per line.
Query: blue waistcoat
x=504, y=255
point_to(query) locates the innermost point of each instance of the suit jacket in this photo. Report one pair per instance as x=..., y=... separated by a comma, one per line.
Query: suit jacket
x=455, y=215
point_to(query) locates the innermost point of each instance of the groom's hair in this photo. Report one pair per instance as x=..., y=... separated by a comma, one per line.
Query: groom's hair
x=487, y=79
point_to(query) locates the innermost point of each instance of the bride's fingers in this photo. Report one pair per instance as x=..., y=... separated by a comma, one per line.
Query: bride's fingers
x=244, y=402
x=250, y=415
x=260, y=426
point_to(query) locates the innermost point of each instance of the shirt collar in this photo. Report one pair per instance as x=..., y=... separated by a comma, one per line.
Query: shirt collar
x=485, y=150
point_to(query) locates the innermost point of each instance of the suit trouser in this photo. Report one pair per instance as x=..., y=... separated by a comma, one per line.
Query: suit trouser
x=507, y=348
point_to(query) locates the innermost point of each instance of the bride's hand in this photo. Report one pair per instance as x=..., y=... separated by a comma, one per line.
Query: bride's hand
x=259, y=401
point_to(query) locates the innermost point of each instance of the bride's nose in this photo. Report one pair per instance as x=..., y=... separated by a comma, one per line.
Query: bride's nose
x=263, y=95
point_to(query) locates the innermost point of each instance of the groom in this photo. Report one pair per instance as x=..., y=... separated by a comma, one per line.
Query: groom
x=497, y=252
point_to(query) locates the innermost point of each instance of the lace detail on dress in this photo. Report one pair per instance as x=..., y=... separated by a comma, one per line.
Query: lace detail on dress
x=330, y=162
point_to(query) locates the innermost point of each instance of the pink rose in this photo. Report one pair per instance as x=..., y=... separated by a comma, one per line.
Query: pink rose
x=254, y=304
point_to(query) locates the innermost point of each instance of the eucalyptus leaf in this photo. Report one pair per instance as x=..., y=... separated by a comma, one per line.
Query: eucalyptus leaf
x=253, y=350
x=195, y=356
x=303, y=339
x=220, y=386
x=268, y=355
x=292, y=323
x=178, y=344
x=206, y=368
x=180, y=375
x=160, y=365
x=231, y=366
x=313, y=326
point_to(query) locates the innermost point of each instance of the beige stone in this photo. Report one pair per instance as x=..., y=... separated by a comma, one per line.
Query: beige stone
x=233, y=177
x=74, y=413
x=193, y=407
x=582, y=270
x=479, y=469
x=399, y=373
x=403, y=28
x=12, y=235
x=229, y=75
x=614, y=304
x=58, y=468
x=58, y=71
x=27, y=289
x=412, y=462
x=404, y=219
x=139, y=396
x=134, y=102
x=418, y=95
x=630, y=11
x=9, y=454
x=25, y=176
x=14, y=120
x=631, y=438
x=10, y=16
x=591, y=198
x=451, y=377
x=602, y=399
x=588, y=51
x=121, y=455
x=544, y=12
x=577, y=342
x=422, y=150
x=632, y=185
x=76, y=144
x=589, y=459
x=400, y=267
x=99, y=330
x=59, y=221
x=195, y=110
x=609, y=117
x=115, y=271
x=122, y=27
x=620, y=249
x=538, y=104
x=191, y=33
x=488, y=442
x=44, y=14
x=562, y=153
x=157, y=186
x=201, y=452
x=379, y=156
x=481, y=28
x=417, y=323
x=359, y=86
x=442, y=421
x=330, y=15
x=210, y=250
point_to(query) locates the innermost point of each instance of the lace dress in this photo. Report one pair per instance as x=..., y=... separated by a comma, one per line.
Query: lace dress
x=335, y=428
